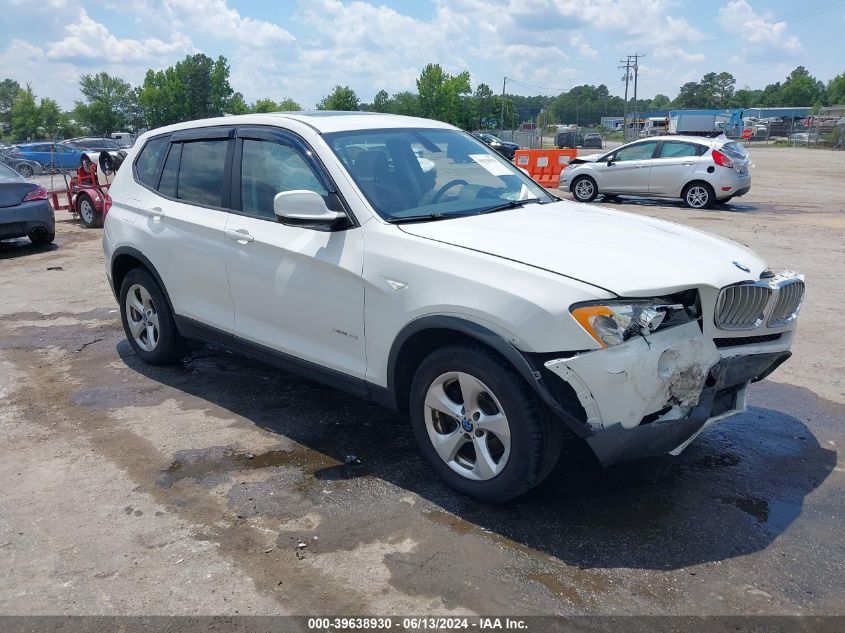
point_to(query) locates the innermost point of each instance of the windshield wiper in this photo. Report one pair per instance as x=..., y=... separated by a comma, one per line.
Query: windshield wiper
x=510, y=204
x=426, y=217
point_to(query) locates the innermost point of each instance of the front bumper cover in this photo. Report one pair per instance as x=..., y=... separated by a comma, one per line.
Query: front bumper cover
x=652, y=396
x=617, y=444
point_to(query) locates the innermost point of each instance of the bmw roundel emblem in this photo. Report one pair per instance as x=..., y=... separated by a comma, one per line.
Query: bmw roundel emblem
x=467, y=425
x=742, y=267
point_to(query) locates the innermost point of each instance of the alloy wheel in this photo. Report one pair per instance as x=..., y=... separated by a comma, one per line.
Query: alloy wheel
x=467, y=426
x=584, y=189
x=697, y=197
x=142, y=317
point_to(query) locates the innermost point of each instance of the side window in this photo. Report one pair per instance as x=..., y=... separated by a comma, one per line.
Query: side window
x=268, y=168
x=170, y=171
x=146, y=165
x=202, y=172
x=640, y=151
x=677, y=149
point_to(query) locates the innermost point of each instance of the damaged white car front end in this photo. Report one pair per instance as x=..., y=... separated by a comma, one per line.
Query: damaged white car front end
x=666, y=370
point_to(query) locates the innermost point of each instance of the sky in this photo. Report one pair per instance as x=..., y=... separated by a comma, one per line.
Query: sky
x=300, y=49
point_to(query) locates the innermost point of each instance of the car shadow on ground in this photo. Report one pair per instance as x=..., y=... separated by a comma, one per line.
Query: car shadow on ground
x=22, y=247
x=731, y=493
x=622, y=201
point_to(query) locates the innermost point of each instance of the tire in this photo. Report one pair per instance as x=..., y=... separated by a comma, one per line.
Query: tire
x=698, y=195
x=88, y=214
x=520, y=451
x=151, y=332
x=25, y=170
x=584, y=189
x=41, y=239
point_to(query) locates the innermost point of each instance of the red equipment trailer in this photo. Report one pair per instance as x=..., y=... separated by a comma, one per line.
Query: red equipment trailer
x=84, y=195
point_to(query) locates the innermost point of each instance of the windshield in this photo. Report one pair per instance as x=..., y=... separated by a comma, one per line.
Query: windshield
x=410, y=173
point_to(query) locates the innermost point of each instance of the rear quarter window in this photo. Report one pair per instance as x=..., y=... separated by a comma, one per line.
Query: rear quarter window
x=146, y=165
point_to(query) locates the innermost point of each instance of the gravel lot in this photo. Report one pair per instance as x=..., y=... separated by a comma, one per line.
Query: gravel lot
x=188, y=490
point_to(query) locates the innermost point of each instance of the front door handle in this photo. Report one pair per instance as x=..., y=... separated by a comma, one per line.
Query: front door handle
x=241, y=236
x=689, y=164
x=640, y=165
x=156, y=212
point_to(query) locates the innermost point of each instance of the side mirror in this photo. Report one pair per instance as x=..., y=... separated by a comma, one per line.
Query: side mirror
x=609, y=162
x=304, y=206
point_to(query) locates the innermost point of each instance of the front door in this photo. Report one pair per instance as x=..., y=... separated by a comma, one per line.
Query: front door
x=295, y=289
x=629, y=169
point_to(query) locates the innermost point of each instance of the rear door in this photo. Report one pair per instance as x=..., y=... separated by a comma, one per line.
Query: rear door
x=295, y=289
x=185, y=218
x=629, y=169
x=673, y=165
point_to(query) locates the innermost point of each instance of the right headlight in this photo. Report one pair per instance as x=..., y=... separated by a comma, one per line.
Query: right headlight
x=614, y=323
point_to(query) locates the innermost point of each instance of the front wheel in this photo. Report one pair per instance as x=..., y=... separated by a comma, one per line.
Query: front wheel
x=584, y=189
x=698, y=195
x=479, y=424
x=25, y=170
x=147, y=320
x=88, y=214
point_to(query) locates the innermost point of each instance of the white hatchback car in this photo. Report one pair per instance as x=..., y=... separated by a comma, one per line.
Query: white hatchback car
x=404, y=261
x=698, y=170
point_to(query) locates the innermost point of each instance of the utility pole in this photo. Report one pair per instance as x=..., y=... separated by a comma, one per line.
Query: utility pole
x=636, y=57
x=627, y=68
x=502, y=115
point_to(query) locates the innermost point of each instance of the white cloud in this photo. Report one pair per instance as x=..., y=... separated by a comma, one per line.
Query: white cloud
x=89, y=41
x=765, y=39
x=217, y=19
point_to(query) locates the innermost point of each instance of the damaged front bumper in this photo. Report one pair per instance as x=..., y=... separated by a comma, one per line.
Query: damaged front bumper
x=653, y=396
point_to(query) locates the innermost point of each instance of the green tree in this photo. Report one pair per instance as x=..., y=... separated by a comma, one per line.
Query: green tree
x=802, y=89
x=50, y=116
x=380, y=102
x=440, y=94
x=660, y=102
x=836, y=90
x=405, y=103
x=289, y=105
x=8, y=91
x=109, y=103
x=484, y=100
x=25, y=115
x=236, y=104
x=341, y=98
x=197, y=87
x=264, y=105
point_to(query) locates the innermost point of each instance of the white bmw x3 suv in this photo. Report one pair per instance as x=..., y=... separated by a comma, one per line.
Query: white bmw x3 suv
x=402, y=260
x=700, y=171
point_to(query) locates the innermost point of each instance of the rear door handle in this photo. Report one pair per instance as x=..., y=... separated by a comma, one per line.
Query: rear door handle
x=156, y=212
x=689, y=164
x=241, y=236
x=640, y=165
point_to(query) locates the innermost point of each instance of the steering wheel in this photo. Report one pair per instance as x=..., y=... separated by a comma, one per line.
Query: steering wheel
x=446, y=188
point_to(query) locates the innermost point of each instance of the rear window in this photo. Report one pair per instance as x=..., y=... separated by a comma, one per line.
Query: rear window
x=734, y=150
x=146, y=165
x=202, y=172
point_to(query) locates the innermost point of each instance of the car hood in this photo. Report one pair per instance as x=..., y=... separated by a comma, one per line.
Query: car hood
x=585, y=159
x=627, y=254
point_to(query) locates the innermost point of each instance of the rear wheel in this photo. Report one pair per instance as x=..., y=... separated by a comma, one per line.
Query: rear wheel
x=41, y=238
x=481, y=427
x=88, y=213
x=147, y=320
x=25, y=170
x=584, y=189
x=698, y=195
